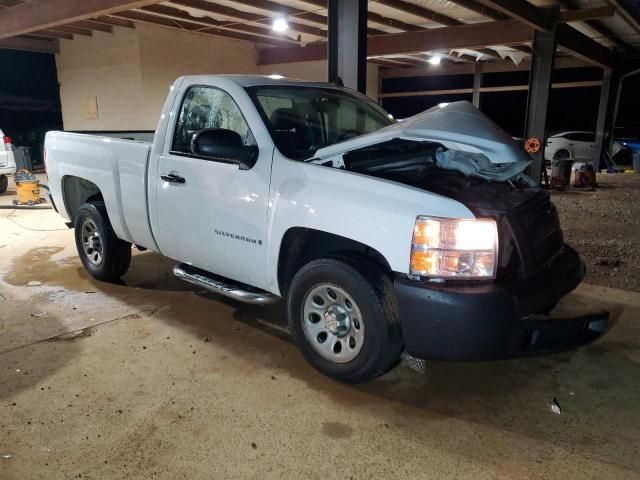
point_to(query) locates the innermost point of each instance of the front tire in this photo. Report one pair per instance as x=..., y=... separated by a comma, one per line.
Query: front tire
x=344, y=318
x=102, y=253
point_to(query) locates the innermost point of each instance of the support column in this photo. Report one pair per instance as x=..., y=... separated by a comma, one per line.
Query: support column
x=611, y=83
x=544, y=49
x=477, y=84
x=347, y=43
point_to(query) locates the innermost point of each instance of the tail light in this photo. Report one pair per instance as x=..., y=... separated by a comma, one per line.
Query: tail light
x=6, y=139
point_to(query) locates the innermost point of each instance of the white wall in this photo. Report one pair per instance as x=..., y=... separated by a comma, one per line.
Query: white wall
x=130, y=71
x=106, y=66
x=168, y=54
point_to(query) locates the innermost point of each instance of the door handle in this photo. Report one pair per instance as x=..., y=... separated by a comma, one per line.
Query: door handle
x=172, y=178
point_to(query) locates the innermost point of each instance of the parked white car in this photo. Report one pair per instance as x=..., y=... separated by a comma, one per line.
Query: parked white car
x=424, y=235
x=7, y=161
x=573, y=145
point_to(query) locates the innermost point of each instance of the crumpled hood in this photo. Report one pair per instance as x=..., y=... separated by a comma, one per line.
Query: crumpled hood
x=457, y=125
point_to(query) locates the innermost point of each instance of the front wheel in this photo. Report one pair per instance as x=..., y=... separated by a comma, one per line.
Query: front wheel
x=102, y=253
x=344, y=318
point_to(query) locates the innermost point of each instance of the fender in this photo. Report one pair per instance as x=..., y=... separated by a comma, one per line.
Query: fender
x=122, y=183
x=375, y=212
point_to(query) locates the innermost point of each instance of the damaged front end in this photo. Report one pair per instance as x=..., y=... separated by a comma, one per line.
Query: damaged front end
x=456, y=137
x=457, y=152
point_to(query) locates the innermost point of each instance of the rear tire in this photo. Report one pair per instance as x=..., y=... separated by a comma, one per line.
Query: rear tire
x=562, y=154
x=344, y=318
x=4, y=184
x=102, y=253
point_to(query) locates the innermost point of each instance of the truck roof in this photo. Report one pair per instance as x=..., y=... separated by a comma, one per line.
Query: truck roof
x=254, y=80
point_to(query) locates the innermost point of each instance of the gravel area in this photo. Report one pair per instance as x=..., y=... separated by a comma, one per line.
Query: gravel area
x=604, y=226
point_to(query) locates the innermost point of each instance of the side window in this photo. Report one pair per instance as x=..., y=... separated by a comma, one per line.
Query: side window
x=581, y=137
x=585, y=137
x=208, y=107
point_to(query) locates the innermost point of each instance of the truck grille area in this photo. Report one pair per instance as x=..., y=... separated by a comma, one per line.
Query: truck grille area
x=528, y=225
x=538, y=236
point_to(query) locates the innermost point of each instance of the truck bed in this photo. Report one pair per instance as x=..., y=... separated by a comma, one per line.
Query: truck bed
x=117, y=167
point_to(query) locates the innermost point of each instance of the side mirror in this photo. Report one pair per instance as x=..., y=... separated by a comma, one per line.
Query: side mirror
x=223, y=145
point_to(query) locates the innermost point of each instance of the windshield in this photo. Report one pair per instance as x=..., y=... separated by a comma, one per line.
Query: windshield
x=304, y=119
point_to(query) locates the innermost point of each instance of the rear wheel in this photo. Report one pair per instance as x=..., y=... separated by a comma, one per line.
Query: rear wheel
x=343, y=316
x=562, y=154
x=102, y=253
x=4, y=184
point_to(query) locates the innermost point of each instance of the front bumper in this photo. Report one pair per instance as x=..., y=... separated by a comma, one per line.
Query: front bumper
x=491, y=321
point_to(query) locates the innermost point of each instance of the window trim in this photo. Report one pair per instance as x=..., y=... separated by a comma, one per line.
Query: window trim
x=171, y=151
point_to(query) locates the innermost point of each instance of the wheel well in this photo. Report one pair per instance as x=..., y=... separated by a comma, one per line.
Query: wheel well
x=302, y=245
x=77, y=191
x=563, y=149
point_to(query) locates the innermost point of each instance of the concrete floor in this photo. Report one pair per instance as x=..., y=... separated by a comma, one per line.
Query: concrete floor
x=150, y=379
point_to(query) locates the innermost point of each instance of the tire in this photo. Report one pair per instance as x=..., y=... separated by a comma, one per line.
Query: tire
x=365, y=303
x=562, y=154
x=106, y=258
x=4, y=184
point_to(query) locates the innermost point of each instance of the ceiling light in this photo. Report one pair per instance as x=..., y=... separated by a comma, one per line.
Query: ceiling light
x=280, y=25
x=435, y=60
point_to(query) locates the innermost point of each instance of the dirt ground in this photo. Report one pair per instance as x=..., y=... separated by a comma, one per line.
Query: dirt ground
x=151, y=378
x=604, y=226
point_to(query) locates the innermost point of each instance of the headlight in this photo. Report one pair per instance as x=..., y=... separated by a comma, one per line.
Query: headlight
x=450, y=248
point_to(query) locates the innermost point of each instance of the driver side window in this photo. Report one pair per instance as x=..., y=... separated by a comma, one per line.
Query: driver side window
x=208, y=107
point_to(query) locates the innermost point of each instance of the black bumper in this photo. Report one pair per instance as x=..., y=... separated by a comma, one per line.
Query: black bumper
x=491, y=321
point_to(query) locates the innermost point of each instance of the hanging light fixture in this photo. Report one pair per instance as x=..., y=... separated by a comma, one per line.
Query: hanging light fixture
x=280, y=25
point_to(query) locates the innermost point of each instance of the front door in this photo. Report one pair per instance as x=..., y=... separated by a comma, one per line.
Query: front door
x=211, y=214
x=583, y=145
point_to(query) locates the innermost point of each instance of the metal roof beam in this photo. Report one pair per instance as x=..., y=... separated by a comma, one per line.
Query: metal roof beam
x=116, y=22
x=583, y=47
x=487, y=67
x=586, y=14
x=138, y=16
x=522, y=11
x=42, y=14
x=227, y=11
x=30, y=45
x=506, y=32
x=241, y=27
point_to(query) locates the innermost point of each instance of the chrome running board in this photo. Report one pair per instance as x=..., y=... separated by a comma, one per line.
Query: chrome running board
x=220, y=286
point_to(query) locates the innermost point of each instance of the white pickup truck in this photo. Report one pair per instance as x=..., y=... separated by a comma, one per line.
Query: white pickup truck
x=423, y=235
